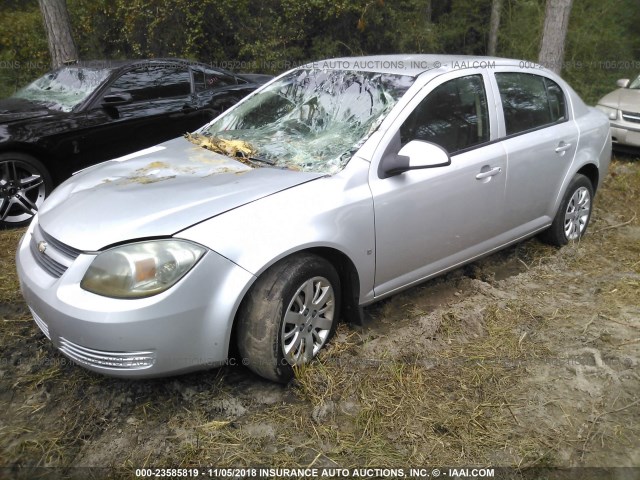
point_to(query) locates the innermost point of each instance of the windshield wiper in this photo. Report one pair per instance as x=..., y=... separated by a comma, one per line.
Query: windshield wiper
x=261, y=160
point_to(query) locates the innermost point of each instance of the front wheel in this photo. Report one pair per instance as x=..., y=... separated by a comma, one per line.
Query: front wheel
x=24, y=184
x=288, y=316
x=572, y=218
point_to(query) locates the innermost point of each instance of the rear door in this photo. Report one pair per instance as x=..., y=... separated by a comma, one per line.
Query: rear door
x=540, y=142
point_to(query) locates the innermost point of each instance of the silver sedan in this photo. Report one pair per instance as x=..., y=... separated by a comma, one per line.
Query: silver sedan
x=337, y=184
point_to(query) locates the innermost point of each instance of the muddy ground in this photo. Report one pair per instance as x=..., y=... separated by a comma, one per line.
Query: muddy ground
x=526, y=359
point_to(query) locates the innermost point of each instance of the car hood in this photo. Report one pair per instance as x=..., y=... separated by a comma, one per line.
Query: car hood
x=12, y=109
x=156, y=192
x=623, y=99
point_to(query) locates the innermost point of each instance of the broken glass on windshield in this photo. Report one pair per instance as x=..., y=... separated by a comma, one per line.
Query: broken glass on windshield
x=65, y=88
x=312, y=119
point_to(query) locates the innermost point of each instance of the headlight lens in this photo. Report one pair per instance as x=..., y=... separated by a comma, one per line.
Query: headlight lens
x=612, y=113
x=141, y=269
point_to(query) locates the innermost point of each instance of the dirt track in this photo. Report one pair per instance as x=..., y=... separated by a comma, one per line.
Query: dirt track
x=527, y=358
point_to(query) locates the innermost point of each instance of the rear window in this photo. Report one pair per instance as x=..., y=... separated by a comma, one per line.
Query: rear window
x=530, y=101
x=205, y=79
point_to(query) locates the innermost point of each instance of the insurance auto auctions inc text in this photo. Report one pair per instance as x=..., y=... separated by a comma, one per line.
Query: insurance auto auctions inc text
x=348, y=473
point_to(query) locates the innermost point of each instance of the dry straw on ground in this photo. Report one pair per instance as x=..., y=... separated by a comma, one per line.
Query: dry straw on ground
x=526, y=358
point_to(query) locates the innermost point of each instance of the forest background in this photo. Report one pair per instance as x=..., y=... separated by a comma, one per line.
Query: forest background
x=271, y=36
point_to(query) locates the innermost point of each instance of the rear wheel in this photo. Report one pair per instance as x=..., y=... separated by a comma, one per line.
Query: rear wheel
x=572, y=218
x=288, y=316
x=24, y=184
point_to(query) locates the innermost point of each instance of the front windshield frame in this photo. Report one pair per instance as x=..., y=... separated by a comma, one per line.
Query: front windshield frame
x=312, y=119
x=65, y=88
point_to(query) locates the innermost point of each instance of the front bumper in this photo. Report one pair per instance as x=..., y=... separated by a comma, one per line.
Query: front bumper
x=628, y=135
x=185, y=328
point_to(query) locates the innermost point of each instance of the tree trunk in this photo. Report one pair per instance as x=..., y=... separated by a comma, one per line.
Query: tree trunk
x=556, y=21
x=428, y=11
x=58, y=26
x=494, y=26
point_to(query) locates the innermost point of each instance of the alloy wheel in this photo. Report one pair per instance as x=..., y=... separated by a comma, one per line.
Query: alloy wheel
x=22, y=191
x=577, y=214
x=308, y=320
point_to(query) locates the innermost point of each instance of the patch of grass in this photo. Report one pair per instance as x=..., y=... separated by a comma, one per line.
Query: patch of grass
x=459, y=405
x=9, y=284
x=622, y=186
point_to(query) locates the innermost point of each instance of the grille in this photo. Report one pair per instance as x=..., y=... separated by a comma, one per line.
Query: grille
x=107, y=360
x=631, y=117
x=64, y=254
x=43, y=326
x=52, y=267
x=70, y=252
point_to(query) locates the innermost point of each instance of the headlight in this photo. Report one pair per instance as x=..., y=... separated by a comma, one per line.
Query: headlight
x=141, y=269
x=612, y=113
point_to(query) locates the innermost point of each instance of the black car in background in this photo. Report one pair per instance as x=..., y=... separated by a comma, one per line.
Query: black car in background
x=88, y=112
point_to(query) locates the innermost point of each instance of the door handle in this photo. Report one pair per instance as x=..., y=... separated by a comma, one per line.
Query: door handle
x=488, y=173
x=563, y=147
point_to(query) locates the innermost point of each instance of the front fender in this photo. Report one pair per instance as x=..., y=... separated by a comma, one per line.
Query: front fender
x=331, y=212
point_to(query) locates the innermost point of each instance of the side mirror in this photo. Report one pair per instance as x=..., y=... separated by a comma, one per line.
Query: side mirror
x=417, y=155
x=116, y=99
x=623, y=83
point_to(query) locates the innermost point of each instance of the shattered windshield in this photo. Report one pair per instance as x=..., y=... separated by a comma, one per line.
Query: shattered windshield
x=312, y=119
x=636, y=83
x=65, y=88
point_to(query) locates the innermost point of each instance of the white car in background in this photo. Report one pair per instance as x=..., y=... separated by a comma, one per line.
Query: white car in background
x=622, y=106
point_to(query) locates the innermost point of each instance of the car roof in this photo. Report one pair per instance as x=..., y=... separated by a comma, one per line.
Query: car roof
x=122, y=64
x=411, y=64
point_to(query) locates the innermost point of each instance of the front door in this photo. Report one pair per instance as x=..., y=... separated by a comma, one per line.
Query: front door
x=429, y=220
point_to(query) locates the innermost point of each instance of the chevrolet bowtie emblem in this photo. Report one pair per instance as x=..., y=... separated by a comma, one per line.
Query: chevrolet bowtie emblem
x=42, y=246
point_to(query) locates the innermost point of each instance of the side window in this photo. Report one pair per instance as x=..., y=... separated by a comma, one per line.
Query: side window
x=210, y=79
x=530, y=101
x=557, y=105
x=454, y=116
x=150, y=83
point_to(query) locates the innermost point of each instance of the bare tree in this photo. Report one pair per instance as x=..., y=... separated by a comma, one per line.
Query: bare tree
x=58, y=26
x=428, y=11
x=556, y=21
x=494, y=26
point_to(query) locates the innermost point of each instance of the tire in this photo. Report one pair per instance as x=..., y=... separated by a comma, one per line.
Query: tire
x=276, y=322
x=572, y=218
x=24, y=184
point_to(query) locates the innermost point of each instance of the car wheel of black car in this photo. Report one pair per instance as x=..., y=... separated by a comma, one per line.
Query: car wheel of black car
x=572, y=218
x=289, y=314
x=24, y=184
